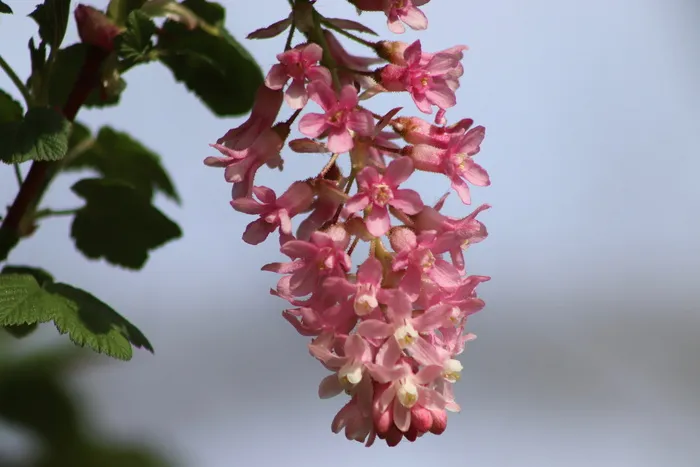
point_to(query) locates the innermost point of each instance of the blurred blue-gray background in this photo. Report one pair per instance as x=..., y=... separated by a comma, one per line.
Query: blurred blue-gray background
x=587, y=352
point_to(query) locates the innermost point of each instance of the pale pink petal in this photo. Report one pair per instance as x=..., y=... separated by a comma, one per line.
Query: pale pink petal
x=322, y=94
x=407, y=201
x=378, y=222
x=402, y=416
x=398, y=171
x=319, y=73
x=339, y=140
x=370, y=272
x=283, y=268
x=395, y=24
x=462, y=189
x=277, y=77
x=386, y=398
x=284, y=221
x=299, y=249
x=303, y=281
x=423, y=103
x=356, y=203
x=312, y=53
x=444, y=274
x=355, y=347
x=361, y=122
x=400, y=306
x=441, y=63
x=348, y=96
x=248, y=206
x=441, y=95
x=264, y=194
x=413, y=53
x=414, y=18
x=367, y=178
x=313, y=125
x=297, y=197
x=389, y=353
x=330, y=386
x=373, y=328
x=295, y=95
x=432, y=318
x=428, y=158
x=257, y=232
x=469, y=142
x=476, y=175
x=411, y=282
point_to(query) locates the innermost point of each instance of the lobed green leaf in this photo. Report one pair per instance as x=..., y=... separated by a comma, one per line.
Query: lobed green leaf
x=10, y=109
x=215, y=67
x=42, y=135
x=118, y=223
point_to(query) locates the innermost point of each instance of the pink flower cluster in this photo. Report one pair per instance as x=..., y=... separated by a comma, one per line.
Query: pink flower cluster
x=391, y=331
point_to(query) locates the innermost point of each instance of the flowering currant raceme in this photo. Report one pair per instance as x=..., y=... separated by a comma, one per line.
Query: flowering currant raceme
x=387, y=321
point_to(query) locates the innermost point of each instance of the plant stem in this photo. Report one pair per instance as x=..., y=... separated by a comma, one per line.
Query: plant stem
x=349, y=35
x=52, y=213
x=290, y=36
x=328, y=165
x=18, y=174
x=42, y=172
x=17, y=82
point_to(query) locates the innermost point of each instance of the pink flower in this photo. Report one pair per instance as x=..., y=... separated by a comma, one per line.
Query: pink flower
x=454, y=235
x=341, y=115
x=349, y=368
x=310, y=321
x=265, y=109
x=300, y=64
x=274, y=212
x=401, y=324
x=365, y=290
x=95, y=28
x=396, y=12
x=431, y=83
x=241, y=166
x=455, y=161
x=414, y=254
x=415, y=130
x=324, y=255
x=379, y=191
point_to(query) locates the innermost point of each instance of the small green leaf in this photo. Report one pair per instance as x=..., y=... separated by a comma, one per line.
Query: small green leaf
x=215, y=67
x=89, y=321
x=24, y=301
x=116, y=155
x=52, y=18
x=134, y=44
x=42, y=277
x=86, y=319
x=42, y=135
x=118, y=223
x=119, y=10
x=10, y=109
x=5, y=8
x=65, y=72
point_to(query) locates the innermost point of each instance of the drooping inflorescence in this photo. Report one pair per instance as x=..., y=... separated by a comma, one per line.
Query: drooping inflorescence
x=390, y=329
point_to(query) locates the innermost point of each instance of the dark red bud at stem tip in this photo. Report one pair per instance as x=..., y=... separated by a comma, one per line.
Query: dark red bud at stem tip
x=94, y=28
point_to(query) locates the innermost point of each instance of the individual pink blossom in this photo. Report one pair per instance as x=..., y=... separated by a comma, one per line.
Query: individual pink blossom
x=95, y=28
x=313, y=321
x=341, y=116
x=414, y=255
x=455, y=161
x=365, y=290
x=300, y=64
x=428, y=83
x=241, y=166
x=401, y=324
x=378, y=191
x=274, y=212
x=454, y=235
x=349, y=369
x=349, y=63
x=266, y=106
x=397, y=11
x=324, y=255
x=355, y=418
x=415, y=130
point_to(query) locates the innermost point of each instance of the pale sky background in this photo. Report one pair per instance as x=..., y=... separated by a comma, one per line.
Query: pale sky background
x=588, y=350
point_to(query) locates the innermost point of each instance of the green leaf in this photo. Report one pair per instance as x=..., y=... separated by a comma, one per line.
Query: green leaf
x=119, y=10
x=216, y=68
x=87, y=320
x=134, y=44
x=118, y=223
x=64, y=74
x=42, y=277
x=10, y=109
x=117, y=156
x=52, y=18
x=5, y=8
x=42, y=135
